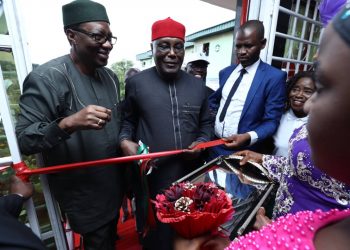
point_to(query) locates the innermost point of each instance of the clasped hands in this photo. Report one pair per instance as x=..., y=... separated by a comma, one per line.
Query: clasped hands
x=130, y=148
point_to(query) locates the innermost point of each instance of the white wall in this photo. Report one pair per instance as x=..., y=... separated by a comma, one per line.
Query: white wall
x=218, y=59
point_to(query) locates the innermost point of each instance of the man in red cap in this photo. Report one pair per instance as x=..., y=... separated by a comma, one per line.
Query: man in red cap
x=166, y=109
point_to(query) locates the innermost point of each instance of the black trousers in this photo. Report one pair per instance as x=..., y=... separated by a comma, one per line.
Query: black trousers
x=102, y=238
x=159, y=238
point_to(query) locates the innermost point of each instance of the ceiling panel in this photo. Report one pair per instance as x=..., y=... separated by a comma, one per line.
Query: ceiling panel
x=227, y=4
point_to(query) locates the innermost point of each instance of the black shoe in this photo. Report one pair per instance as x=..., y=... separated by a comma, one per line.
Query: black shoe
x=140, y=236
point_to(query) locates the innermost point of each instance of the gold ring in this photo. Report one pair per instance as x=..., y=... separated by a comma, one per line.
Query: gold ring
x=99, y=122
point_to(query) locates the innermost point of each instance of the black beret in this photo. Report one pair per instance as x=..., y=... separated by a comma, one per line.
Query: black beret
x=82, y=11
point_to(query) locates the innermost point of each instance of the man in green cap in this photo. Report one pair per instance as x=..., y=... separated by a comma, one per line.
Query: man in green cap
x=70, y=112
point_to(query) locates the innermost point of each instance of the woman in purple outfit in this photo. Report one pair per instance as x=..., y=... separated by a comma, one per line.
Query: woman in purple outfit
x=302, y=186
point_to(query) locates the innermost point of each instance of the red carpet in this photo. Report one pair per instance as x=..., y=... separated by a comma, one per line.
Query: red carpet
x=128, y=236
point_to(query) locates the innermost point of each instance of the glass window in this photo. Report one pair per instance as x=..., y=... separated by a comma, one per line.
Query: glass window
x=206, y=49
x=3, y=25
x=13, y=92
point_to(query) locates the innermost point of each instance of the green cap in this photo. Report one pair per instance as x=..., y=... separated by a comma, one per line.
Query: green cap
x=82, y=11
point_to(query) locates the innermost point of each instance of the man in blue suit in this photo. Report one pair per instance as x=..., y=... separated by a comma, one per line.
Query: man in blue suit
x=249, y=102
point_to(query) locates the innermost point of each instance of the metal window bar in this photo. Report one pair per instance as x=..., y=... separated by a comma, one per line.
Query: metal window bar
x=294, y=25
x=16, y=157
x=312, y=30
x=305, y=39
x=301, y=45
x=295, y=14
x=273, y=27
x=17, y=39
x=54, y=214
x=297, y=39
x=5, y=161
x=290, y=60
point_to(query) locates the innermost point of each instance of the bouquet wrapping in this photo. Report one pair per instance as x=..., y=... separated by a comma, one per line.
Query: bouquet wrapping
x=194, y=209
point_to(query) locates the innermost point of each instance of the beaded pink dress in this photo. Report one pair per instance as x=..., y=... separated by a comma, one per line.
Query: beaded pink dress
x=289, y=232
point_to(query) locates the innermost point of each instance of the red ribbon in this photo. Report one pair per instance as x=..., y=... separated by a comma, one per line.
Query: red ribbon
x=209, y=144
x=24, y=172
x=21, y=168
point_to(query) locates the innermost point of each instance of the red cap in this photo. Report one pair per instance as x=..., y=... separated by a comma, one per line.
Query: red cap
x=168, y=28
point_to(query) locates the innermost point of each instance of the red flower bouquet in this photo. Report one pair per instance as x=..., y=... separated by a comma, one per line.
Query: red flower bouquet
x=194, y=209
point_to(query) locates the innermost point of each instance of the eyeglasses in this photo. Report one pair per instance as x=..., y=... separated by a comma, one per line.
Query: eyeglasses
x=98, y=38
x=166, y=48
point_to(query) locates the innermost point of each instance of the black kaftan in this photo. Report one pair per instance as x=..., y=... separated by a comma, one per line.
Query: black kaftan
x=166, y=115
x=89, y=196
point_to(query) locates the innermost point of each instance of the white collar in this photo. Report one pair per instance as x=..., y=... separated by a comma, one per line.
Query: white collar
x=251, y=68
x=292, y=116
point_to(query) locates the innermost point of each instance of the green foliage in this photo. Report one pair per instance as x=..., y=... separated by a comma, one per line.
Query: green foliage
x=3, y=24
x=13, y=93
x=120, y=68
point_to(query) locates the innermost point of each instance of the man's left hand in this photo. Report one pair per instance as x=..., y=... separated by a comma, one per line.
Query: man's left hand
x=191, y=152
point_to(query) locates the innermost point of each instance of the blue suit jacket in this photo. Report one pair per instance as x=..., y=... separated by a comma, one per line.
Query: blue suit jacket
x=261, y=113
x=265, y=101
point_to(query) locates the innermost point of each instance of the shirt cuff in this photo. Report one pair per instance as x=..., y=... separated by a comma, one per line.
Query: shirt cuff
x=54, y=134
x=123, y=138
x=202, y=139
x=253, y=137
x=20, y=195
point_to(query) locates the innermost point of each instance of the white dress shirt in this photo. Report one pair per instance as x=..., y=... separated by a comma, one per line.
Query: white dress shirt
x=289, y=122
x=229, y=126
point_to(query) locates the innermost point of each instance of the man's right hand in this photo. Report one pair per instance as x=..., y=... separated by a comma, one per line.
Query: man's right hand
x=129, y=147
x=237, y=141
x=90, y=117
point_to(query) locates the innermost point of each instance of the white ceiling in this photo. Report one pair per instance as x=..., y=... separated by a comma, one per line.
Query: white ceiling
x=227, y=4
